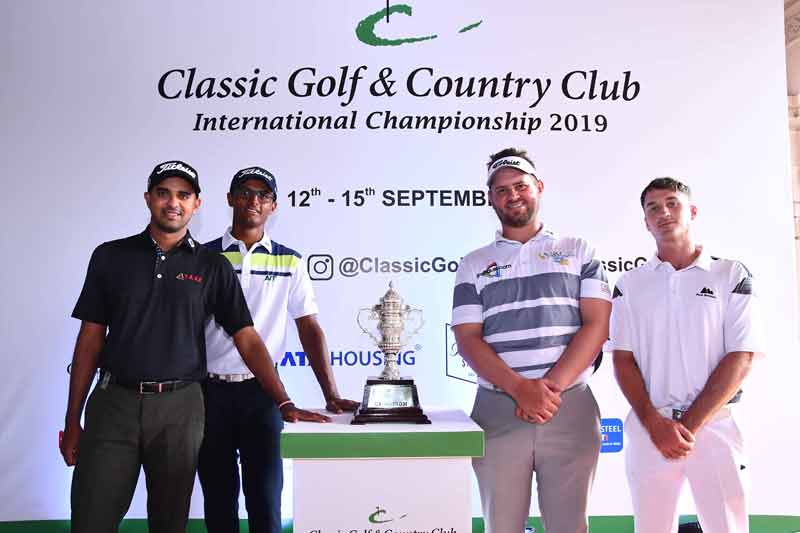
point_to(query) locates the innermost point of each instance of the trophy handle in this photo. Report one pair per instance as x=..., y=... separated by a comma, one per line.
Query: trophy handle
x=410, y=312
x=360, y=325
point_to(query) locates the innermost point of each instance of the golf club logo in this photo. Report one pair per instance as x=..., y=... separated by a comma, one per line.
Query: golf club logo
x=366, y=33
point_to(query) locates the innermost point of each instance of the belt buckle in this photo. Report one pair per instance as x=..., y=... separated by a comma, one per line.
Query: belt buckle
x=230, y=378
x=677, y=414
x=143, y=383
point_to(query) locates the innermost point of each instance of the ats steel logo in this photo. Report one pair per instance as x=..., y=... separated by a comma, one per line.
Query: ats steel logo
x=611, y=434
x=365, y=31
x=457, y=368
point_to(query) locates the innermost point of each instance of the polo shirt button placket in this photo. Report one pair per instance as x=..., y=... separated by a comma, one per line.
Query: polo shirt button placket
x=161, y=257
x=247, y=257
x=675, y=305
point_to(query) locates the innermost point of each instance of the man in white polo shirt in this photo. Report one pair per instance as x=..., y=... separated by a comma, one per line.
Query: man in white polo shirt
x=684, y=331
x=530, y=313
x=241, y=420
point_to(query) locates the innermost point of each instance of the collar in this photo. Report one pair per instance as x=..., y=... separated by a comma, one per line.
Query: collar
x=187, y=241
x=703, y=260
x=543, y=234
x=228, y=239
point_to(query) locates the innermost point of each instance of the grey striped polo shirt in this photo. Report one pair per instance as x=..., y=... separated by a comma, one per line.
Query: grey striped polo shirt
x=527, y=297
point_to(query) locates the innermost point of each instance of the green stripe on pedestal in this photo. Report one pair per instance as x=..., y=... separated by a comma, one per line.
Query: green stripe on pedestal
x=370, y=445
x=597, y=524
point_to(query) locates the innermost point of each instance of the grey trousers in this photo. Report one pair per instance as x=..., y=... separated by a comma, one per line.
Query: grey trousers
x=124, y=432
x=563, y=453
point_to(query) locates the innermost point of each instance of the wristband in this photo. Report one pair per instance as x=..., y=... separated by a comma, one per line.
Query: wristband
x=284, y=402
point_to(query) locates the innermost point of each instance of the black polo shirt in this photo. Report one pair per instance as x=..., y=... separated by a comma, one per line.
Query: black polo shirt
x=155, y=305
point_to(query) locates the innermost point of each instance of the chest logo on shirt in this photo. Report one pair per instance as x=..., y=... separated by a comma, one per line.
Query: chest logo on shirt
x=189, y=277
x=493, y=270
x=557, y=256
x=708, y=293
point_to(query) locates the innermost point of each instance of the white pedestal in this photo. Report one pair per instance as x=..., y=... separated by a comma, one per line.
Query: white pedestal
x=383, y=478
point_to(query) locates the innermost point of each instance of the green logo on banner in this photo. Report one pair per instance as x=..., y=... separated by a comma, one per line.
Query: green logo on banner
x=365, y=31
x=378, y=518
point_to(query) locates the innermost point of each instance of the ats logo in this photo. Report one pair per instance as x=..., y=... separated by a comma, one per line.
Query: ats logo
x=189, y=277
x=365, y=30
x=356, y=358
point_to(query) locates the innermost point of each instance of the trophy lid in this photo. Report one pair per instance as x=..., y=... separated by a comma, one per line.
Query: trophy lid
x=391, y=295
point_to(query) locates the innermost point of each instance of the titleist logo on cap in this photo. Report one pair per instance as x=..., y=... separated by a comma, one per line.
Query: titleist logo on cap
x=505, y=162
x=255, y=170
x=176, y=166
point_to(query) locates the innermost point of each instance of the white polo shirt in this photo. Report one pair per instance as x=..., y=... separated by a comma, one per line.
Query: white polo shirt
x=680, y=324
x=276, y=286
x=527, y=297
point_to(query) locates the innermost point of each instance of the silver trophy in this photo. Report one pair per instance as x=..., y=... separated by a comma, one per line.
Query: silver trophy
x=388, y=397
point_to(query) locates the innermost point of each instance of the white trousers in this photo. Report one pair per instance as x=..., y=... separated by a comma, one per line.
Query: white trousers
x=715, y=470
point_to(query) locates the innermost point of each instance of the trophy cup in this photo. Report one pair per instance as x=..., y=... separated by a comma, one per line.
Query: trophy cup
x=388, y=397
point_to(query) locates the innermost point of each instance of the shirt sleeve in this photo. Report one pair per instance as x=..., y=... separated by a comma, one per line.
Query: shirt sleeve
x=620, y=335
x=93, y=304
x=743, y=323
x=301, y=294
x=229, y=307
x=594, y=283
x=467, y=304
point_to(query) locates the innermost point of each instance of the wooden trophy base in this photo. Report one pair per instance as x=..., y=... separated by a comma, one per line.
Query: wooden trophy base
x=390, y=400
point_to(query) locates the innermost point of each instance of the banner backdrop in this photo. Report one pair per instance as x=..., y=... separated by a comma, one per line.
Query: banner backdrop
x=377, y=123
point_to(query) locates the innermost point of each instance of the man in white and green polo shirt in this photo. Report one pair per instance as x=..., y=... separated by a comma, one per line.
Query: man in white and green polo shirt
x=241, y=420
x=530, y=313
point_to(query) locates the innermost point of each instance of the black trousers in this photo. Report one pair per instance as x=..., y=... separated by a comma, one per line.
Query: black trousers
x=126, y=431
x=241, y=420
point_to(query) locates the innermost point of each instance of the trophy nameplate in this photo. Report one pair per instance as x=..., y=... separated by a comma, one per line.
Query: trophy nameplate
x=389, y=397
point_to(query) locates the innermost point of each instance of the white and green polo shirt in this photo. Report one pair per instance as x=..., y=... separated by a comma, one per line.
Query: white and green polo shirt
x=276, y=286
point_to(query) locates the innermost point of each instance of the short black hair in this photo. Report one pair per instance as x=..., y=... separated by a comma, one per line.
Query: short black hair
x=665, y=184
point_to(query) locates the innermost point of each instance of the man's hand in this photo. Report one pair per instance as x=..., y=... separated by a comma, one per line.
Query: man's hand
x=290, y=413
x=671, y=437
x=340, y=405
x=537, y=400
x=91, y=339
x=69, y=444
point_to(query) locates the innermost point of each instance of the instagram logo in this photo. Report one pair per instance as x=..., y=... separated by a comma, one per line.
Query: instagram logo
x=320, y=267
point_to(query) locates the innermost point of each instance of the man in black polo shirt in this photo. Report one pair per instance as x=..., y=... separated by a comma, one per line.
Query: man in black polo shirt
x=142, y=311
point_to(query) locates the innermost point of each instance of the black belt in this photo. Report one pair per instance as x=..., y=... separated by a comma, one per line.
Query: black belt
x=677, y=414
x=146, y=387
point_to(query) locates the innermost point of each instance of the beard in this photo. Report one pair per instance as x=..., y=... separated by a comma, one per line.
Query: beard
x=518, y=220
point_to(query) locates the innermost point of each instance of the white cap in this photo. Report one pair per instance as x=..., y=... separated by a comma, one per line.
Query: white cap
x=520, y=163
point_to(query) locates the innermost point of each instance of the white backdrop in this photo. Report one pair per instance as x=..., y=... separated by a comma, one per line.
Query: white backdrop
x=84, y=122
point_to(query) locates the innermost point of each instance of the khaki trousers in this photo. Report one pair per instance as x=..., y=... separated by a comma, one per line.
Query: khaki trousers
x=563, y=453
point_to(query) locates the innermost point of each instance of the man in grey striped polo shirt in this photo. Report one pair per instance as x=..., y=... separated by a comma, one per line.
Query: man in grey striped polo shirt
x=530, y=314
